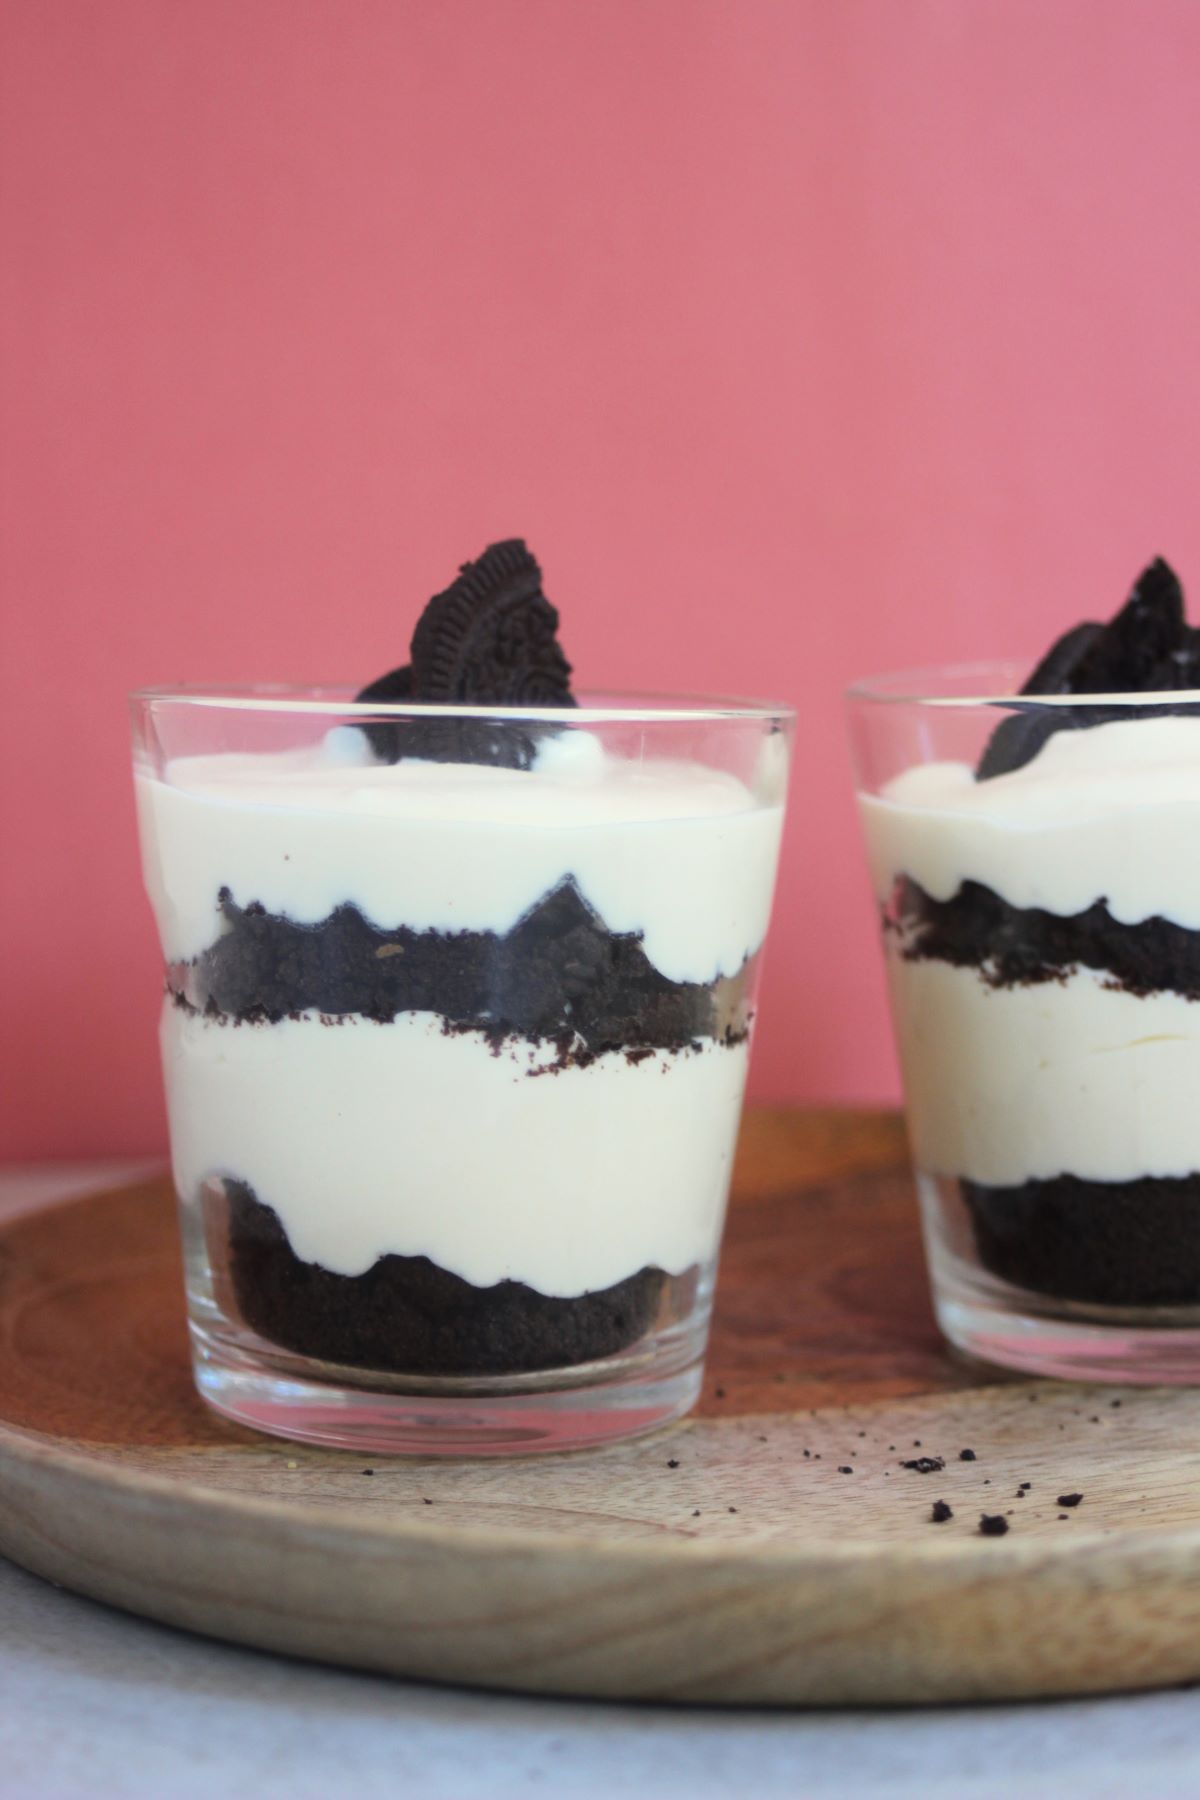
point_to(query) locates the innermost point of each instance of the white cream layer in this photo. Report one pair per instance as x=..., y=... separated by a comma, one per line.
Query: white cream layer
x=1005, y=1085
x=373, y=1138
x=683, y=853
x=1111, y=814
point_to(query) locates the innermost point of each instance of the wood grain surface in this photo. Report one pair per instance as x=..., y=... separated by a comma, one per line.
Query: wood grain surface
x=773, y=1548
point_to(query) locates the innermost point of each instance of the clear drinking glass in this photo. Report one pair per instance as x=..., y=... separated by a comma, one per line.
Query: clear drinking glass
x=1041, y=931
x=457, y=1018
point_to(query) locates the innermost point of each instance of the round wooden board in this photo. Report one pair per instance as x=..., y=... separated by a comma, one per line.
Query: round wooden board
x=731, y=1559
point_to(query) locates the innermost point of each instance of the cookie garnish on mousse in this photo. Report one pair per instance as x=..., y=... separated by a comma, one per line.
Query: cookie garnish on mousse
x=490, y=639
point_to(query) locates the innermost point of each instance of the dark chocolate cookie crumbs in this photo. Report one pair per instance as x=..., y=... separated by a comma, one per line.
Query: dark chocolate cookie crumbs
x=560, y=977
x=845, y=1469
x=925, y=1465
x=1111, y=1243
x=672, y=1462
x=1018, y=946
x=939, y=1512
x=1068, y=1499
x=992, y=1525
x=407, y=1314
x=966, y=1456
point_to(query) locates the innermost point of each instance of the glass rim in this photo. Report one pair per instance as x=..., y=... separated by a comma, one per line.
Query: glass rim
x=319, y=700
x=919, y=687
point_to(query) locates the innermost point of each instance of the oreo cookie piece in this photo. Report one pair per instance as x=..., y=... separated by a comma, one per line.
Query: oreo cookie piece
x=1057, y=671
x=1128, y=656
x=490, y=639
x=1146, y=648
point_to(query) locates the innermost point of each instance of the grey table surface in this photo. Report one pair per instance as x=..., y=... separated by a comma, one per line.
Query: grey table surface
x=93, y=1702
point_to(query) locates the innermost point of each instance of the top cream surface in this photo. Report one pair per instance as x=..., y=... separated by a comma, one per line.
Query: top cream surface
x=681, y=852
x=1110, y=813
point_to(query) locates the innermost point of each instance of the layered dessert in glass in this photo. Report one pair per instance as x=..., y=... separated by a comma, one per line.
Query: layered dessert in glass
x=459, y=1000
x=1035, y=853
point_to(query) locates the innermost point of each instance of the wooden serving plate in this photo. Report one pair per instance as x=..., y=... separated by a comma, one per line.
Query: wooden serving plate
x=728, y=1559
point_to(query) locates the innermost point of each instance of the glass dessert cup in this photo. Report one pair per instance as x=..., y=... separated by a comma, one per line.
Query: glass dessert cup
x=455, y=1033
x=1041, y=932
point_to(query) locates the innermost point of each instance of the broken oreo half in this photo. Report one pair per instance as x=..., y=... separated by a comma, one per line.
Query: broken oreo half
x=1147, y=648
x=490, y=639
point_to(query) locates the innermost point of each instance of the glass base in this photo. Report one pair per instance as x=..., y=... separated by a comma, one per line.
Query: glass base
x=348, y=1416
x=1031, y=1333
x=1032, y=1344
x=260, y=1381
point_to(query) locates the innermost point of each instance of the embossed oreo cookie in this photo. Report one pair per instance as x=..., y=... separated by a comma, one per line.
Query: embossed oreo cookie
x=490, y=639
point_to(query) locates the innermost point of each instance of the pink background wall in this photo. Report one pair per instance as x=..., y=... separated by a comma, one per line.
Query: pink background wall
x=801, y=337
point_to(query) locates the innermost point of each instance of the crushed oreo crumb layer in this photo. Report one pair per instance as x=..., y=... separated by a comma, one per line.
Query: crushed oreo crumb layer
x=1127, y=1243
x=406, y=1315
x=925, y=1465
x=558, y=977
x=1024, y=946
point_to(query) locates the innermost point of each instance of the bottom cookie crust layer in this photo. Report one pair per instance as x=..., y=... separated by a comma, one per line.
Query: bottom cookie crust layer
x=406, y=1315
x=1127, y=1243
